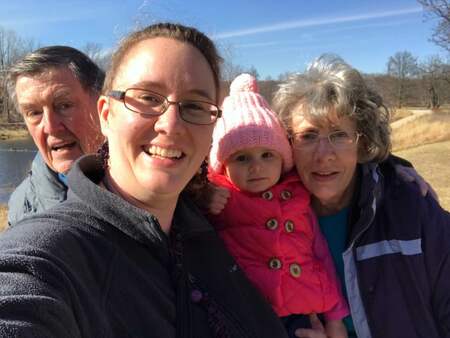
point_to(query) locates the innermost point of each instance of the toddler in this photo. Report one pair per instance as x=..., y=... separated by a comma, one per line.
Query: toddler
x=267, y=223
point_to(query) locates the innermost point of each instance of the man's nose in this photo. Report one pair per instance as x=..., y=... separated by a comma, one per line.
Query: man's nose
x=52, y=121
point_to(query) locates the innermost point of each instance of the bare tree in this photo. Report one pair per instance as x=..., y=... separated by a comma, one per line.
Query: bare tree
x=12, y=48
x=402, y=66
x=441, y=10
x=97, y=54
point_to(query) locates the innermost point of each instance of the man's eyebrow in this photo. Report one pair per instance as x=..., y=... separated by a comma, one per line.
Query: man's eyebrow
x=62, y=92
x=26, y=106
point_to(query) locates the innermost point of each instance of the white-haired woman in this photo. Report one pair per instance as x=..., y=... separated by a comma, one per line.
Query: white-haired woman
x=390, y=244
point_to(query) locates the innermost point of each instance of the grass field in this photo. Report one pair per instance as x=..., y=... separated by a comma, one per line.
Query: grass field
x=11, y=131
x=432, y=161
x=424, y=129
x=3, y=217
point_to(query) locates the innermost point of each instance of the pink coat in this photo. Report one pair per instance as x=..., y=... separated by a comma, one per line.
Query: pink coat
x=275, y=238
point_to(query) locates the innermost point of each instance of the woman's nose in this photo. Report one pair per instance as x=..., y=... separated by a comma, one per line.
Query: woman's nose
x=324, y=148
x=170, y=121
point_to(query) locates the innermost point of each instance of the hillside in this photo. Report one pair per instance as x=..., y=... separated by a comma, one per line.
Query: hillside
x=432, y=161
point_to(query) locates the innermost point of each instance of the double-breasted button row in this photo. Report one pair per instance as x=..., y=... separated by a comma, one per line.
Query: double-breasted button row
x=275, y=263
x=294, y=269
x=285, y=195
x=267, y=195
x=272, y=224
x=289, y=226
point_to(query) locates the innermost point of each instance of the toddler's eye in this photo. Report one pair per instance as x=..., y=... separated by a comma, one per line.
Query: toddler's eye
x=241, y=158
x=267, y=154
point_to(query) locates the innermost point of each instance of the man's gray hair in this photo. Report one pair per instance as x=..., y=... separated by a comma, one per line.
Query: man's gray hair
x=89, y=75
x=332, y=88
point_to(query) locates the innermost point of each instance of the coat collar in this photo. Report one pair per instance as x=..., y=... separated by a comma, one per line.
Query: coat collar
x=84, y=179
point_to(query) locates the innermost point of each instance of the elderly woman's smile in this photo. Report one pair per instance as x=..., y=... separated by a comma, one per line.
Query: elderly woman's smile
x=326, y=170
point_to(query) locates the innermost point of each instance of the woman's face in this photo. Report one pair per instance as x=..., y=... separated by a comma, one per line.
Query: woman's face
x=327, y=172
x=156, y=156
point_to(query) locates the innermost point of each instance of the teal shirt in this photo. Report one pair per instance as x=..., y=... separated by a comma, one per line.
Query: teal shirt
x=335, y=230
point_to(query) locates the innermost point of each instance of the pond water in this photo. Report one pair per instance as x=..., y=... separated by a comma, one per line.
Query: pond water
x=15, y=161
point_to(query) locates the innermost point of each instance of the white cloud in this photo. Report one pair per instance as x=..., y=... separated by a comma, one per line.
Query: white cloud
x=315, y=22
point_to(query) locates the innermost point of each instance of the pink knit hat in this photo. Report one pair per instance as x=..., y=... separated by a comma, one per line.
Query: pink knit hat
x=247, y=121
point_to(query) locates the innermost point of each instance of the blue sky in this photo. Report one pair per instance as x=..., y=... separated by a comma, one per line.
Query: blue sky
x=273, y=36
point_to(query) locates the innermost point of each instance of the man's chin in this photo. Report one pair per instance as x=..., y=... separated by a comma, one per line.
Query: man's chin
x=62, y=167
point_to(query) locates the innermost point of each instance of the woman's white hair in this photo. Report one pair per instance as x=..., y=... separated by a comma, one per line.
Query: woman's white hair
x=332, y=88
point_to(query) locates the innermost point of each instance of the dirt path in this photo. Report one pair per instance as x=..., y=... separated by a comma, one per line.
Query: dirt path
x=416, y=113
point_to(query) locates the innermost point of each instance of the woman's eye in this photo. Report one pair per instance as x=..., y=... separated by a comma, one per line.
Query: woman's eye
x=307, y=137
x=339, y=135
x=150, y=99
x=194, y=106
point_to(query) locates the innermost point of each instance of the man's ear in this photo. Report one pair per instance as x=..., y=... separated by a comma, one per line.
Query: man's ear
x=103, y=110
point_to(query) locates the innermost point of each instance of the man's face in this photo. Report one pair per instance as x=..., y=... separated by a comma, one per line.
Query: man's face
x=60, y=115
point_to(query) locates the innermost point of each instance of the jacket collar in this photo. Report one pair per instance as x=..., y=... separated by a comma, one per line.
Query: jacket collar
x=365, y=200
x=84, y=179
x=45, y=179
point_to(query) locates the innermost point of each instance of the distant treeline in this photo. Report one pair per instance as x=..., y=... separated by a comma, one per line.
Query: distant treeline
x=407, y=82
x=417, y=92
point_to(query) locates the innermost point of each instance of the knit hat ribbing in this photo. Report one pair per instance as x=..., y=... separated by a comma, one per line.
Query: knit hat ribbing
x=247, y=121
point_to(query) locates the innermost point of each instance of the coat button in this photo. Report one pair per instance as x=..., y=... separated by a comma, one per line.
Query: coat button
x=286, y=195
x=275, y=263
x=196, y=296
x=267, y=195
x=289, y=226
x=295, y=270
x=272, y=224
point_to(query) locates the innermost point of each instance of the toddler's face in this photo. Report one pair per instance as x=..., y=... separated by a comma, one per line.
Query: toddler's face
x=254, y=169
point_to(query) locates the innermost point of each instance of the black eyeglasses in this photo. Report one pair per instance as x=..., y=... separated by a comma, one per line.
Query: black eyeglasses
x=150, y=103
x=338, y=139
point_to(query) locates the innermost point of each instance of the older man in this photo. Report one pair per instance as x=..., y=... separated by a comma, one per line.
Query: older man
x=56, y=90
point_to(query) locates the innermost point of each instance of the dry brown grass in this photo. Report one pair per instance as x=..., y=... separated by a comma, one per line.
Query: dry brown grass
x=399, y=113
x=424, y=129
x=12, y=131
x=3, y=217
x=432, y=161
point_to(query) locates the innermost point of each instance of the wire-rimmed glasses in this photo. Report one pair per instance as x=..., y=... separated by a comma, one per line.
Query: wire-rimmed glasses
x=150, y=103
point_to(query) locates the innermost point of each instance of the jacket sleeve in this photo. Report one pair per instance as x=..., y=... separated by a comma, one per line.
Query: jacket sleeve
x=436, y=247
x=18, y=204
x=34, y=299
x=321, y=251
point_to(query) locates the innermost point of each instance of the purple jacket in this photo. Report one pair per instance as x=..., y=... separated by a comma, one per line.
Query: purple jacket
x=397, y=266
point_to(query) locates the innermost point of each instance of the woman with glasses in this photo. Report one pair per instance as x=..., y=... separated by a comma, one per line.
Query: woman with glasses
x=390, y=244
x=128, y=254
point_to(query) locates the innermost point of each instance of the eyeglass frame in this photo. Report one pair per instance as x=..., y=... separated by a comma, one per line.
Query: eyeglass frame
x=121, y=94
x=328, y=136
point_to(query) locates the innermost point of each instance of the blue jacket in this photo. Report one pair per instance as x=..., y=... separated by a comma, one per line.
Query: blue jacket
x=96, y=266
x=397, y=264
x=39, y=191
